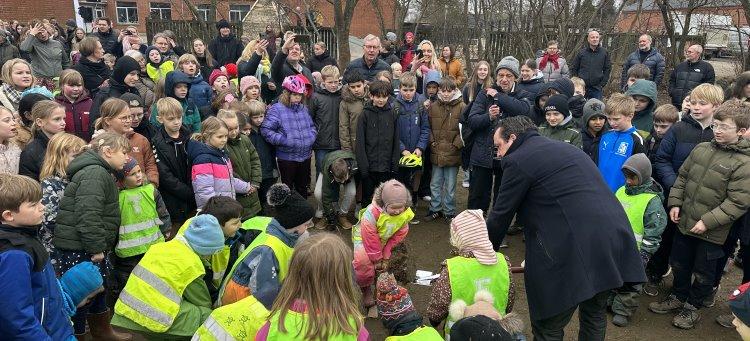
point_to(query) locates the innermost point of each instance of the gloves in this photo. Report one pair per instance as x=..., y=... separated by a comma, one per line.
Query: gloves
x=645, y=257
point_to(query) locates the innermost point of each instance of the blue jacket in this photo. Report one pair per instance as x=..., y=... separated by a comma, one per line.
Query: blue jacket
x=31, y=304
x=413, y=123
x=613, y=149
x=200, y=92
x=676, y=146
x=654, y=61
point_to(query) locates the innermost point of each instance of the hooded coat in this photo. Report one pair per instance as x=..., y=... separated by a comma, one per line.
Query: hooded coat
x=445, y=132
x=377, y=146
x=157, y=71
x=533, y=85
x=77, y=117
x=174, y=167
x=191, y=116
x=569, y=256
x=566, y=131
x=117, y=86
x=200, y=92
x=589, y=141
x=212, y=173
x=644, y=119
x=246, y=164
x=563, y=86
x=94, y=74
x=350, y=108
x=225, y=50
x=291, y=130
x=413, y=123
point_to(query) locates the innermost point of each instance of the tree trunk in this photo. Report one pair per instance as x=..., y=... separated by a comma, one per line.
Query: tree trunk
x=746, y=7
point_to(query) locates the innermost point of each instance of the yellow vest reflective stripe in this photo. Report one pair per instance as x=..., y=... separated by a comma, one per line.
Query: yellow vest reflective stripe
x=153, y=293
x=467, y=276
x=635, y=208
x=139, y=225
x=237, y=321
x=295, y=324
x=387, y=225
x=420, y=334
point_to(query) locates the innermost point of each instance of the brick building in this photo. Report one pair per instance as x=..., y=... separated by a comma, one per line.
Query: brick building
x=647, y=17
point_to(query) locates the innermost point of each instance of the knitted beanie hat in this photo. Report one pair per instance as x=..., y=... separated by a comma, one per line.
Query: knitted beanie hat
x=231, y=70
x=640, y=165
x=557, y=103
x=392, y=299
x=469, y=232
x=204, y=235
x=248, y=81
x=394, y=193
x=216, y=73
x=511, y=64
x=479, y=328
x=133, y=100
x=593, y=108
x=38, y=90
x=81, y=280
x=126, y=169
x=223, y=23
x=123, y=66
x=290, y=208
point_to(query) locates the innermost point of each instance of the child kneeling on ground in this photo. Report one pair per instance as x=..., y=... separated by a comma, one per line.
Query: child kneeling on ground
x=339, y=168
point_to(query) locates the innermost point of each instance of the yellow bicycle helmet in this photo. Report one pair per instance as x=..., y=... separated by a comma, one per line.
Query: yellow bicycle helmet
x=410, y=161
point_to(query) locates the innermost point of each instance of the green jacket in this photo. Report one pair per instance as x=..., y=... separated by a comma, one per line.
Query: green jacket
x=713, y=185
x=644, y=119
x=566, y=132
x=331, y=190
x=246, y=166
x=89, y=215
x=654, y=218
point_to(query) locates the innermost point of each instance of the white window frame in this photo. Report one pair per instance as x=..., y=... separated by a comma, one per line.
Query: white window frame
x=161, y=10
x=127, y=6
x=238, y=10
x=203, y=11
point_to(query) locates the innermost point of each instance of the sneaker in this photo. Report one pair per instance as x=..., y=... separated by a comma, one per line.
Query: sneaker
x=687, y=318
x=431, y=216
x=322, y=224
x=668, y=305
x=710, y=301
x=427, y=198
x=465, y=184
x=652, y=288
x=725, y=320
x=343, y=222
x=414, y=222
x=449, y=218
x=620, y=320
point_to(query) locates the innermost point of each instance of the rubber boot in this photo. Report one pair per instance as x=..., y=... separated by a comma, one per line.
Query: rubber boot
x=101, y=329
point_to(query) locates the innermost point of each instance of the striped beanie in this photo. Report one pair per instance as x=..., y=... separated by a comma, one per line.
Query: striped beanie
x=469, y=233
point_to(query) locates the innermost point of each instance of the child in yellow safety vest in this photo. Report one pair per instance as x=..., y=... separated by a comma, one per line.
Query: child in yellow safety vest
x=320, y=279
x=397, y=312
x=642, y=198
x=144, y=221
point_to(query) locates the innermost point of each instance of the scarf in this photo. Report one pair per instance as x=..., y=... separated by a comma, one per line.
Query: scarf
x=68, y=305
x=13, y=94
x=549, y=58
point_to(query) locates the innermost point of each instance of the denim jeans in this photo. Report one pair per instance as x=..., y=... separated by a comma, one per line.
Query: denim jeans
x=593, y=93
x=443, y=189
x=320, y=155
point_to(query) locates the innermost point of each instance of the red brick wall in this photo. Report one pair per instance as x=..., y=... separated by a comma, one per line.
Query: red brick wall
x=364, y=21
x=26, y=10
x=651, y=21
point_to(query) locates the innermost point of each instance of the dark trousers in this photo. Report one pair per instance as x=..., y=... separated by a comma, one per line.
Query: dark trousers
x=592, y=318
x=480, y=183
x=296, y=175
x=729, y=246
x=693, y=256
x=426, y=176
x=370, y=183
x=119, y=274
x=262, y=190
x=592, y=92
x=412, y=179
x=658, y=265
x=98, y=304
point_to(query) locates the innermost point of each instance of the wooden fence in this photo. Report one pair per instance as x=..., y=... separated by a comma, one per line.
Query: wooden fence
x=187, y=30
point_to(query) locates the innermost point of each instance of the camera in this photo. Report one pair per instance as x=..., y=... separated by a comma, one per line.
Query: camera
x=420, y=54
x=128, y=33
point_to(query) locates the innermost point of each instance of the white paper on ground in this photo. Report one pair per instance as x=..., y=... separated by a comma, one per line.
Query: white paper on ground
x=425, y=277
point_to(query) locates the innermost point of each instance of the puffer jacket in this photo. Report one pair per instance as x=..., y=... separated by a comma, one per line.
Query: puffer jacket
x=200, y=92
x=191, y=117
x=654, y=216
x=453, y=68
x=713, y=186
x=246, y=163
x=533, y=85
x=77, y=118
x=94, y=74
x=89, y=215
x=550, y=73
x=174, y=167
x=654, y=61
x=686, y=76
x=644, y=119
x=593, y=66
x=413, y=123
x=445, y=136
x=291, y=130
x=324, y=109
x=349, y=110
x=212, y=173
x=566, y=132
x=515, y=103
x=675, y=147
x=377, y=147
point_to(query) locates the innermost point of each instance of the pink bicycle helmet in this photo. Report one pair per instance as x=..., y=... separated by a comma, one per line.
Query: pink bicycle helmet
x=294, y=85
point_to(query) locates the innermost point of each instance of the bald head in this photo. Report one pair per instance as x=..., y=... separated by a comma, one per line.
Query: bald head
x=693, y=53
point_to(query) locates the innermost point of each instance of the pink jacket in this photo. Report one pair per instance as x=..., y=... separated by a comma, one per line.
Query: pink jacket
x=371, y=239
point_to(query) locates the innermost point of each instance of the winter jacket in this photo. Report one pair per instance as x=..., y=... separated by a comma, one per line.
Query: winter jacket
x=258, y=273
x=324, y=109
x=575, y=104
x=563, y=86
x=191, y=116
x=89, y=215
x=533, y=85
x=94, y=74
x=613, y=149
x=653, y=60
x=32, y=157
x=432, y=76
x=280, y=69
x=145, y=88
x=316, y=63
x=676, y=146
x=8, y=51
x=515, y=103
x=10, y=154
x=389, y=57
x=566, y=132
x=48, y=58
x=212, y=173
x=367, y=71
x=146, y=129
x=141, y=151
x=413, y=123
x=266, y=153
x=377, y=146
x=109, y=40
x=713, y=186
x=552, y=74
x=330, y=188
x=225, y=50
x=593, y=66
x=590, y=142
x=205, y=68
x=349, y=110
x=654, y=216
x=157, y=72
x=372, y=242
x=291, y=130
x=246, y=164
x=652, y=146
x=453, y=68
x=77, y=118
x=644, y=119
x=31, y=306
x=445, y=132
x=174, y=168
x=569, y=256
x=686, y=76
x=200, y=92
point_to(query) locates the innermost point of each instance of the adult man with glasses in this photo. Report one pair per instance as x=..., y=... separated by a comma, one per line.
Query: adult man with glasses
x=369, y=65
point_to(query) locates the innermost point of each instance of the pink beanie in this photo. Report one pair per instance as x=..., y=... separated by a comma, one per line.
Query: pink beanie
x=394, y=192
x=469, y=233
x=216, y=73
x=248, y=81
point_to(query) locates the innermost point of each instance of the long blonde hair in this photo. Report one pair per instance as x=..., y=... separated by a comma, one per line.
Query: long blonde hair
x=56, y=157
x=433, y=61
x=109, y=110
x=320, y=274
x=474, y=79
x=42, y=110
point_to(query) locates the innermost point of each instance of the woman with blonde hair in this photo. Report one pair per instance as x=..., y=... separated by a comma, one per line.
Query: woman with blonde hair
x=428, y=61
x=255, y=61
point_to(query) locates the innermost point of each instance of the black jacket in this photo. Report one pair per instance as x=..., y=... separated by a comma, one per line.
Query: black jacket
x=225, y=50
x=116, y=88
x=32, y=156
x=316, y=63
x=280, y=69
x=266, y=153
x=8, y=51
x=653, y=60
x=368, y=72
x=94, y=74
x=109, y=41
x=676, y=146
x=174, y=173
x=324, y=109
x=578, y=239
x=377, y=147
x=592, y=66
x=686, y=76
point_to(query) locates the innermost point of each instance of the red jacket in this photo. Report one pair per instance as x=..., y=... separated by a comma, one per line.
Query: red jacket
x=77, y=115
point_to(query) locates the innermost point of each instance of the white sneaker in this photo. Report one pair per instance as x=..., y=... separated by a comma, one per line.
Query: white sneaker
x=427, y=198
x=465, y=184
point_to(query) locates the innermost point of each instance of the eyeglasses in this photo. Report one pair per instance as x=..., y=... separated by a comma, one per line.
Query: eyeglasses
x=126, y=119
x=722, y=127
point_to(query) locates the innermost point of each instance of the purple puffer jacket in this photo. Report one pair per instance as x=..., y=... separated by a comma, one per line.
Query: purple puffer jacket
x=212, y=173
x=291, y=130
